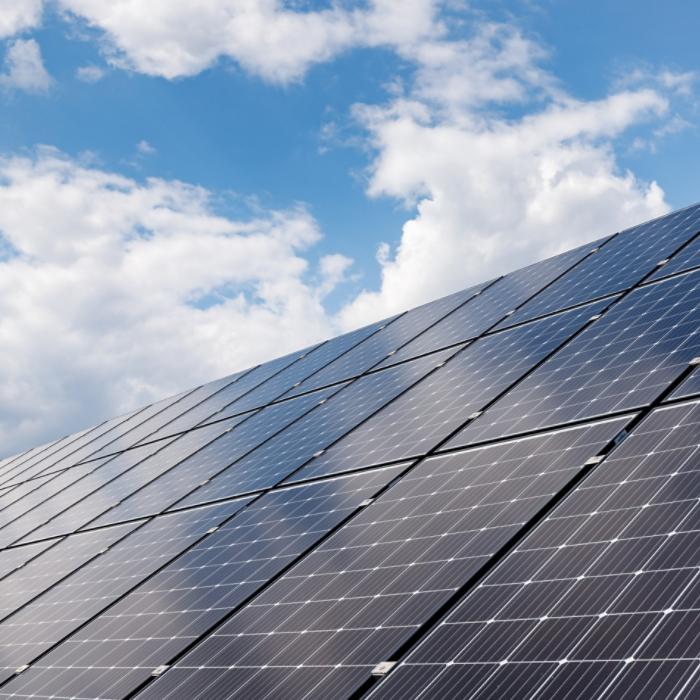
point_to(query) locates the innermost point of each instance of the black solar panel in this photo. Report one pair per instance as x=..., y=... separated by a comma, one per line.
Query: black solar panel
x=119, y=650
x=622, y=361
x=118, y=563
x=481, y=313
x=367, y=589
x=600, y=601
x=495, y=495
x=437, y=406
x=620, y=264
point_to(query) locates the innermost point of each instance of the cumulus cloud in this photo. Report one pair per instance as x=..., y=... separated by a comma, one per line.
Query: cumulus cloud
x=265, y=37
x=115, y=293
x=493, y=193
x=24, y=69
x=18, y=15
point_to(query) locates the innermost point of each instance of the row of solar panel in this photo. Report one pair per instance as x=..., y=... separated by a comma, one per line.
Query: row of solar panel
x=659, y=338
x=561, y=282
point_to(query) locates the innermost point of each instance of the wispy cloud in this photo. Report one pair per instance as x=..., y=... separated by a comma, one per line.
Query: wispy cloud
x=24, y=68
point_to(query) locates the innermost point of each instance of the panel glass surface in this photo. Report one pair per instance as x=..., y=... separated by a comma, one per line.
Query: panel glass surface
x=689, y=387
x=686, y=259
x=111, y=656
x=119, y=478
x=602, y=600
x=315, y=431
x=357, y=597
x=214, y=458
x=481, y=313
x=89, y=590
x=433, y=409
x=619, y=265
x=396, y=334
x=622, y=361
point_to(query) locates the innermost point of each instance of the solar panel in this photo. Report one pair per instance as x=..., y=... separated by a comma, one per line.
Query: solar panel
x=315, y=431
x=355, y=599
x=686, y=259
x=472, y=319
x=177, y=483
x=385, y=343
x=119, y=562
x=600, y=601
x=118, y=479
x=114, y=654
x=440, y=404
x=622, y=361
x=621, y=263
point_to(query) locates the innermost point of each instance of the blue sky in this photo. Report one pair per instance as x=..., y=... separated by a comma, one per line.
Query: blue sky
x=187, y=189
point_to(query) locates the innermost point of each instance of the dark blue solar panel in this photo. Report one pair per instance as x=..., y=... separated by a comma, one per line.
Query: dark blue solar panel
x=439, y=405
x=214, y=458
x=689, y=387
x=314, y=432
x=482, y=312
x=119, y=650
x=88, y=590
x=120, y=477
x=619, y=265
x=622, y=361
x=355, y=599
x=396, y=334
x=600, y=601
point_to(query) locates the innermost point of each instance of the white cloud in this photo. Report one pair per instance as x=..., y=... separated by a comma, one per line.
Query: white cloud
x=24, y=69
x=174, y=39
x=89, y=74
x=114, y=293
x=144, y=148
x=19, y=15
x=493, y=194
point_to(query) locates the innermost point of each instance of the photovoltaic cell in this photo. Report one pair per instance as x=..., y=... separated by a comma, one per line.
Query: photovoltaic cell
x=380, y=345
x=602, y=600
x=619, y=265
x=90, y=589
x=111, y=656
x=433, y=409
x=479, y=314
x=357, y=597
x=205, y=464
x=622, y=361
x=686, y=259
x=689, y=387
x=119, y=478
x=16, y=557
x=315, y=431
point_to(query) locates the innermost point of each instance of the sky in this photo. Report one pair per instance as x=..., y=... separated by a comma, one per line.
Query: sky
x=191, y=188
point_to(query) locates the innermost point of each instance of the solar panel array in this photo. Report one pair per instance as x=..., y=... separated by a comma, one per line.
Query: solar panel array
x=496, y=494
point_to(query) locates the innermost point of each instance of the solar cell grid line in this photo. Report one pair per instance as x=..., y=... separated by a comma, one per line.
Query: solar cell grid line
x=37, y=519
x=625, y=260
x=689, y=387
x=394, y=335
x=83, y=449
x=314, y=432
x=215, y=407
x=601, y=600
x=277, y=386
x=118, y=479
x=433, y=409
x=480, y=314
x=88, y=591
x=622, y=361
x=113, y=655
x=364, y=591
x=166, y=490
